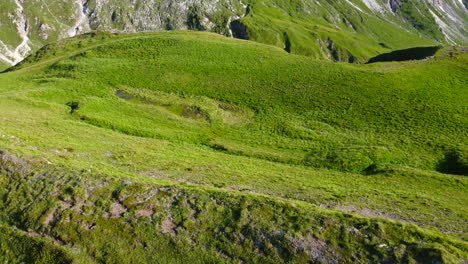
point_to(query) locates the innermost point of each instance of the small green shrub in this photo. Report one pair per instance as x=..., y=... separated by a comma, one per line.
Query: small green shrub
x=454, y=162
x=73, y=106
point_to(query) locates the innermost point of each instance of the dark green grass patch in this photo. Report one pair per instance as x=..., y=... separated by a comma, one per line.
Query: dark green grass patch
x=406, y=54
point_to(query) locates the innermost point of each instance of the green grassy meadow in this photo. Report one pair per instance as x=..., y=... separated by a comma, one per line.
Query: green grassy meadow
x=193, y=146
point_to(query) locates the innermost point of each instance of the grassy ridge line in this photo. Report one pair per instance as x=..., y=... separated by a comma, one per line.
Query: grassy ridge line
x=103, y=219
x=70, y=47
x=37, y=58
x=321, y=29
x=306, y=31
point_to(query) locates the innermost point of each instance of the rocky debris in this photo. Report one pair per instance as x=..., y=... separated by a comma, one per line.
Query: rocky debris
x=45, y=30
x=450, y=24
x=375, y=6
x=394, y=5
x=151, y=15
x=231, y=24
x=336, y=53
x=20, y=20
x=81, y=24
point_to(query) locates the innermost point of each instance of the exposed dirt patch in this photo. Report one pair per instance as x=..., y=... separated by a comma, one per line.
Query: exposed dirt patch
x=168, y=226
x=145, y=212
x=13, y=164
x=364, y=211
x=209, y=110
x=317, y=249
x=117, y=210
x=49, y=217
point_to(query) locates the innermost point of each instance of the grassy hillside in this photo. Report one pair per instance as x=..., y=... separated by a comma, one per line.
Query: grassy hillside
x=333, y=30
x=341, y=30
x=202, y=147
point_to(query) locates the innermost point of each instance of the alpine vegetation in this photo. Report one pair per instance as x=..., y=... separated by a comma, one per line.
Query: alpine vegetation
x=233, y=131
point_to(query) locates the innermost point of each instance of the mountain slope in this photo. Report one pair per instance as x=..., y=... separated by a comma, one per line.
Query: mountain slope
x=190, y=145
x=346, y=30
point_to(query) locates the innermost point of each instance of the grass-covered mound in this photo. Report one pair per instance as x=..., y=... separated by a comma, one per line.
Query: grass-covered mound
x=222, y=116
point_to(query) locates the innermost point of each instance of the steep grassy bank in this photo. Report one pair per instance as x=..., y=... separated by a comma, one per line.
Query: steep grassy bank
x=203, y=118
x=120, y=221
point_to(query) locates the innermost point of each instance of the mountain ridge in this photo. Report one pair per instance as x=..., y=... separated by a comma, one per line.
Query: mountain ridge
x=350, y=30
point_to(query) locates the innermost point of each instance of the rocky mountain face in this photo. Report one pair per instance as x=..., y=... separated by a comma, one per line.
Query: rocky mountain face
x=344, y=30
